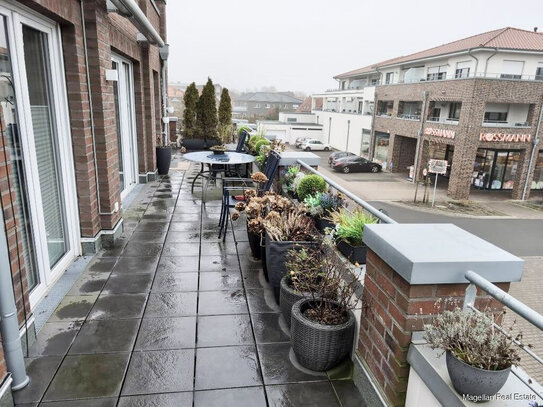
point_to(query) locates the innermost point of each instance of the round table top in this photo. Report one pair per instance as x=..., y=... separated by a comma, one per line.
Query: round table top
x=207, y=157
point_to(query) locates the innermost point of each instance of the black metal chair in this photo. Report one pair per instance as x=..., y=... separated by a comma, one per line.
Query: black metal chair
x=230, y=189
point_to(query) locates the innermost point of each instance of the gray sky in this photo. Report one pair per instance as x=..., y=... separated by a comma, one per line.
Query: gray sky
x=299, y=45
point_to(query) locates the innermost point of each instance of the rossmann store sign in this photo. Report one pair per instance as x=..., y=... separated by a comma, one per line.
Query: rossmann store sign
x=505, y=137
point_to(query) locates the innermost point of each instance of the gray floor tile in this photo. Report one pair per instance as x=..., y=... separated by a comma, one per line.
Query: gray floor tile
x=118, y=306
x=160, y=372
x=239, y=397
x=261, y=300
x=125, y=283
x=89, y=283
x=254, y=279
x=104, y=336
x=158, y=400
x=171, y=304
x=140, y=249
x=148, y=237
x=222, y=302
x=178, y=264
x=151, y=226
x=54, y=338
x=175, y=282
x=307, y=394
x=136, y=265
x=110, y=402
x=184, y=237
x=270, y=328
x=167, y=333
x=41, y=370
x=224, y=330
x=219, y=263
x=184, y=226
x=181, y=249
x=73, y=308
x=238, y=367
x=277, y=367
x=101, y=264
x=348, y=394
x=220, y=281
x=88, y=376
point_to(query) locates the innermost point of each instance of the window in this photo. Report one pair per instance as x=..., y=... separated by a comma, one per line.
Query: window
x=295, y=106
x=495, y=117
x=512, y=69
x=539, y=72
x=291, y=119
x=462, y=69
x=436, y=73
x=454, y=110
x=374, y=81
x=365, y=144
x=268, y=105
x=257, y=105
x=537, y=181
x=389, y=77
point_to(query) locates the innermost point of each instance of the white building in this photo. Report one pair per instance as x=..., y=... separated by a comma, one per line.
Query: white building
x=290, y=126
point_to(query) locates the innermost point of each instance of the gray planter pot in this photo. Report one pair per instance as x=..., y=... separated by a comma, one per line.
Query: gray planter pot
x=471, y=381
x=276, y=259
x=194, y=144
x=288, y=297
x=319, y=347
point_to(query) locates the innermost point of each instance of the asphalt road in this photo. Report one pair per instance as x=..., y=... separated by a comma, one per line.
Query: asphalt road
x=522, y=237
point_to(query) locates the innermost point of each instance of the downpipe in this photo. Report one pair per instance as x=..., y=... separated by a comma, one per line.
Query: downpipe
x=9, y=326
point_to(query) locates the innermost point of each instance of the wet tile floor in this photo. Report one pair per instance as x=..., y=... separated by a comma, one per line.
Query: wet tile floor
x=171, y=316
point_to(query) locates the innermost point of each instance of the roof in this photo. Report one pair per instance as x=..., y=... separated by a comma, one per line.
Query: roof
x=505, y=38
x=271, y=97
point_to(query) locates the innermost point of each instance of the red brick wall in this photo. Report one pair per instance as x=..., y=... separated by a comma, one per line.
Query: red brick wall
x=393, y=309
x=3, y=370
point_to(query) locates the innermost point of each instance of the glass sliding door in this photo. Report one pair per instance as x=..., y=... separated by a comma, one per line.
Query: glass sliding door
x=123, y=89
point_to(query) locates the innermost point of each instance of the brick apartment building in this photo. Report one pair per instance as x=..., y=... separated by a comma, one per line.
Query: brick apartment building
x=475, y=102
x=80, y=111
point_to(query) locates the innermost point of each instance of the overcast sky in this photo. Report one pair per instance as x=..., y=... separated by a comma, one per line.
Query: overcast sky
x=298, y=45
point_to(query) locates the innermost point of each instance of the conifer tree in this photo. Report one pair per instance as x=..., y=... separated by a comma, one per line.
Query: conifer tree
x=206, y=112
x=190, y=100
x=225, y=108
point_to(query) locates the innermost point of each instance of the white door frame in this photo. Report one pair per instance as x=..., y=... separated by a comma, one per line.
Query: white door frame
x=16, y=16
x=127, y=116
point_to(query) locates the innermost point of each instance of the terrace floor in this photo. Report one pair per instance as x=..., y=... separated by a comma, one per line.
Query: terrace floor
x=172, y=316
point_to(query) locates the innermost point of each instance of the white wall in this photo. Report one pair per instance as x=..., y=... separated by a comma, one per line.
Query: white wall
x=338, y=131
x=289, y=132
x=300, y=117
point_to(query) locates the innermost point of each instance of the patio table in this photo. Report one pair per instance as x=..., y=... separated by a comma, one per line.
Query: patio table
x=209, y=158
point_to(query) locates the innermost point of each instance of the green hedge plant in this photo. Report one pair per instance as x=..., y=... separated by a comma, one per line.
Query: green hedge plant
x=350, y=225
x=310, y=185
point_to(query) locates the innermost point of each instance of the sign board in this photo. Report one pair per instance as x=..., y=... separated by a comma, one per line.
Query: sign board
x=505, y=137
x=429, y=131
x=438, y=166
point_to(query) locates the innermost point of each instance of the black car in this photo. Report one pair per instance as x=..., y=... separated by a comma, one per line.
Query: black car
x=356, y=164
x=338, y=155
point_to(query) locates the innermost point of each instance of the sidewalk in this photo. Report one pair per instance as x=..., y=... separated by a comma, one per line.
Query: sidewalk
x=172, y=316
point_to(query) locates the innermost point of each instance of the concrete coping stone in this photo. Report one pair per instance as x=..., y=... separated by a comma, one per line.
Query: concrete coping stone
x=290, y=158
x=437, y=253
x=431, y=367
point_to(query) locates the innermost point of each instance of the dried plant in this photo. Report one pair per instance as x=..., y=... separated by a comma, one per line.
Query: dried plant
x=473, y=338
x=319, y=272
x=292, y=225
x=259, y=177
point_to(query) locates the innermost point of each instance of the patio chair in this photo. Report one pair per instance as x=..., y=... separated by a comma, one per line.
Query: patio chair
x=230, y=189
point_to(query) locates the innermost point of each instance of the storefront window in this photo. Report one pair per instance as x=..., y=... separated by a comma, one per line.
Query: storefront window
x=495, y=169
x=380, y=150
x=511, y=170
x=537, y=182
x=365, y=145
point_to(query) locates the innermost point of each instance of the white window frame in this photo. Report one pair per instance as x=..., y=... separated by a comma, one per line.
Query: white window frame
x=16, y=16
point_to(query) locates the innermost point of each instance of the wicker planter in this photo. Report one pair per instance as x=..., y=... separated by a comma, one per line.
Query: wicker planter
x=476, y=384
x=254, y=243
x=288, y=297
x=276, y=259
x=319, y=347
x=355, y=254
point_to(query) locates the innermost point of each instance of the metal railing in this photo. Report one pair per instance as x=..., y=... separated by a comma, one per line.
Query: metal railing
x=383, y=217
x=521, y=309
x=505, y=123
x=442, y=120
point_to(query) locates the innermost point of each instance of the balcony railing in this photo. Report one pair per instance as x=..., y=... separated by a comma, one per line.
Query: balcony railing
x=408, y=116
x=504, y=123
x=470, y=76
x=521, y=309
x=443, y=120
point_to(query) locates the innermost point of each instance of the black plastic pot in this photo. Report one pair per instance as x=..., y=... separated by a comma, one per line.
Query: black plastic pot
x=355, y=254
x=254, y=244
x=263, y=259
x=474, y=383
x=211, y=142
x=163, y=160
x=316, y=346
x=276, y=259
x=195, y=144
x=322, y=224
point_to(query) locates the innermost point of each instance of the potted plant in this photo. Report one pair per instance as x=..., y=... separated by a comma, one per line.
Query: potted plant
x=288, y=177
x=285, y=230
x=319, y=207
x=323, y=326
x=478, y=356
x=163, y=159
x=349, y=231
x=310, y=185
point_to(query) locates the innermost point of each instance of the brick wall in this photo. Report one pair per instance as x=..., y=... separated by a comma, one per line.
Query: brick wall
x=474, y=94
x=3, y=370
x=392, y=310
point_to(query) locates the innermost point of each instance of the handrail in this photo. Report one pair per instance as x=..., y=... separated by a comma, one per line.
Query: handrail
x=520, y=308
x=371, y=209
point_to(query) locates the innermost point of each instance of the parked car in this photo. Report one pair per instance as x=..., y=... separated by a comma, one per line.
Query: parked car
x=356, y=164
x=299, y=141
x=314, y=144
x=336, y=155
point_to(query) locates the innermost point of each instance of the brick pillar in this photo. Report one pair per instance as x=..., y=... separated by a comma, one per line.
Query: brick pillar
x=410, y=271
x=99, y=52
x=465, y=152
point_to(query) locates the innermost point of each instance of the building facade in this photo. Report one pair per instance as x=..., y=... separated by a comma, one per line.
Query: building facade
x=475, y=102
x=290, y=126
x=264, y=104
x=81, y=111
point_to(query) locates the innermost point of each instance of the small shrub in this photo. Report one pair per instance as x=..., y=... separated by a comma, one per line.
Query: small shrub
x=259, y=144
x=310, y=185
